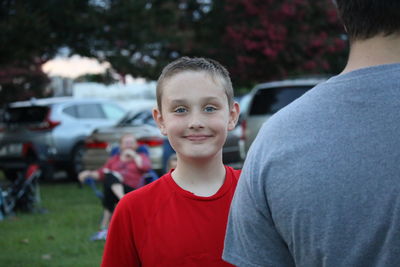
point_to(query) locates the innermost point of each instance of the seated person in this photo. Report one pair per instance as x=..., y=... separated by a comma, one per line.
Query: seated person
x=121, y=174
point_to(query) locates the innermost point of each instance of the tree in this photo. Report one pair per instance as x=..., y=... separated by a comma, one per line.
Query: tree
x=139, y=37
x=20, y=83
x=103, y=78
x=257, y=40
x=31, y=33
x=271, y=39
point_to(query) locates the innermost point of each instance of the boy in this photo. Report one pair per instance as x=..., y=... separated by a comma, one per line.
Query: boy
x=180, y=219
x=121, y=173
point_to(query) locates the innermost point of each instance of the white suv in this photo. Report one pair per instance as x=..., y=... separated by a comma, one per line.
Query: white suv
x=51, y=131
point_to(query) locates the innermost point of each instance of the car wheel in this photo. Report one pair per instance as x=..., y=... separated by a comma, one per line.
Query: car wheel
x=76, y=164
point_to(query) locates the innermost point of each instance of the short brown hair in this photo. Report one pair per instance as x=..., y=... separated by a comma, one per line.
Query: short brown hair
x=210, y=66
x=364, y=19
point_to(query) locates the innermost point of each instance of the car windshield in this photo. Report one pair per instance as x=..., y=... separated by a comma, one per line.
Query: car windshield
x=137, y=119
x=270, y=100
x=25, y=114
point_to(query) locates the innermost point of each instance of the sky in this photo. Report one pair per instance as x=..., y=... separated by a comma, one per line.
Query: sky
x=73, y=67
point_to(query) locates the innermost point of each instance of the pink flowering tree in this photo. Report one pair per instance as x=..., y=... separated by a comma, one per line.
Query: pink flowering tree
x=272, y=39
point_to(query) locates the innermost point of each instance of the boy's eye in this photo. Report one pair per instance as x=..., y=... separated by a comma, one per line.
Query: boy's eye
x=180, y=110
x=209, y=109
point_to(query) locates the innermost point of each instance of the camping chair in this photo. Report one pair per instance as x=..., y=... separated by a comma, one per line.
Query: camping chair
x=149, y=176
x=22, y=194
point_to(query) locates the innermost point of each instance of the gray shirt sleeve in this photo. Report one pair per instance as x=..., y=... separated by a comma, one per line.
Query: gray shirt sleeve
x=251, y=238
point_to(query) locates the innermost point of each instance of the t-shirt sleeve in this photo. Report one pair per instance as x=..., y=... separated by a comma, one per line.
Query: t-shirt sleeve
x=251, y=237
x=120, y=249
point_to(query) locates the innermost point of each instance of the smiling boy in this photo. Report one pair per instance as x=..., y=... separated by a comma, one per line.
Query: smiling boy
x=180, y=219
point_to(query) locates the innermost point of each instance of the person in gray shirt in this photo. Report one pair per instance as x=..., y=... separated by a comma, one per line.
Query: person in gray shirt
x=321, y=183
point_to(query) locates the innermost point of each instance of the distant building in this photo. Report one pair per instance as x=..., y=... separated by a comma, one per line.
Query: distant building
x=132, y=95
x=60, y=86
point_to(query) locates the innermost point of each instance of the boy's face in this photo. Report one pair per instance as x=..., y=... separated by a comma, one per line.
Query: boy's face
x=195, y=114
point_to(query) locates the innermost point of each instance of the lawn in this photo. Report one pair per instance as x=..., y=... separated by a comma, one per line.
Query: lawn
x=59, y=237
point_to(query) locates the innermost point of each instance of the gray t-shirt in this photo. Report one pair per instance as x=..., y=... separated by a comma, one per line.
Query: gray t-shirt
x=321, y=183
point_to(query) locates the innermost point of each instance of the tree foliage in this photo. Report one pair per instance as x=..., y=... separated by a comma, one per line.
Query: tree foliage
x=139, y=37
x=273, y=39
x=31, y=33
x=257, y=40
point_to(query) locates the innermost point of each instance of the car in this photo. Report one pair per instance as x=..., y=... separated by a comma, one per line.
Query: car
x=265, y=99
x=99, y=145
x=52, y=131
x=141, y=124
x=233, y=150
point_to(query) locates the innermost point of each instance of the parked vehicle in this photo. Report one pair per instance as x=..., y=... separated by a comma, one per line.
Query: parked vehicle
x=52, y=131
x=143, y=127
x=268, y=98
x=99, y=144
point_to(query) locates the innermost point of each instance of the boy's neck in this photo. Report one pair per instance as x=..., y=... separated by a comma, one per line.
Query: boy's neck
x=201, y=178
x=375, y=51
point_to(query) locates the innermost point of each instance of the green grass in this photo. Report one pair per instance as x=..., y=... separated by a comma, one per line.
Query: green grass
x=59, y=237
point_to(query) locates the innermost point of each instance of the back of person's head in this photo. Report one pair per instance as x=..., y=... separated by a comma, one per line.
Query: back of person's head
x=210, y=66
x=364, y=19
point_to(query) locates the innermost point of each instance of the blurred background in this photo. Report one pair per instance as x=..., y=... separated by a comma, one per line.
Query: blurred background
x=46, y=45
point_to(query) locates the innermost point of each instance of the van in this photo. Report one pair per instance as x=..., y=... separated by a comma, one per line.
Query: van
x=268, y=98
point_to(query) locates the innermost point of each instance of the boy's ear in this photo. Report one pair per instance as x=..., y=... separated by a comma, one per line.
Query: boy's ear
x=233, y=116
x=157, y=116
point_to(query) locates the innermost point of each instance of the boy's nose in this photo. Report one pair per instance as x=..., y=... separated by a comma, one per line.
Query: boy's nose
x=196, y=121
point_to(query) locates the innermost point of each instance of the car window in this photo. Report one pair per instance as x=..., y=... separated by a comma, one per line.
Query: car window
x=113, y=112
x=270, y=100
x=144, y=117
x=90, y=111
x=35, y=114
x=71, y=111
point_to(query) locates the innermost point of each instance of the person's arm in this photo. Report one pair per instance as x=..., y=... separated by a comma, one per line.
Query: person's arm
x=83, y=175
x=251, y=237
x=145, y=165
x=141, y=160
x=106, y=167
x=120, y=248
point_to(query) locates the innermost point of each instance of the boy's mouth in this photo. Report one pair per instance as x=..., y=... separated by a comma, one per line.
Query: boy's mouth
x=197, y=137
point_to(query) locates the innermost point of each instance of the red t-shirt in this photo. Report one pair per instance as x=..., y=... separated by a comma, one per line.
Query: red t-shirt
x=162, y=224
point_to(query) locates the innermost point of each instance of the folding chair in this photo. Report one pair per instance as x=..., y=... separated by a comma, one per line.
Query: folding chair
x=22, y=194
